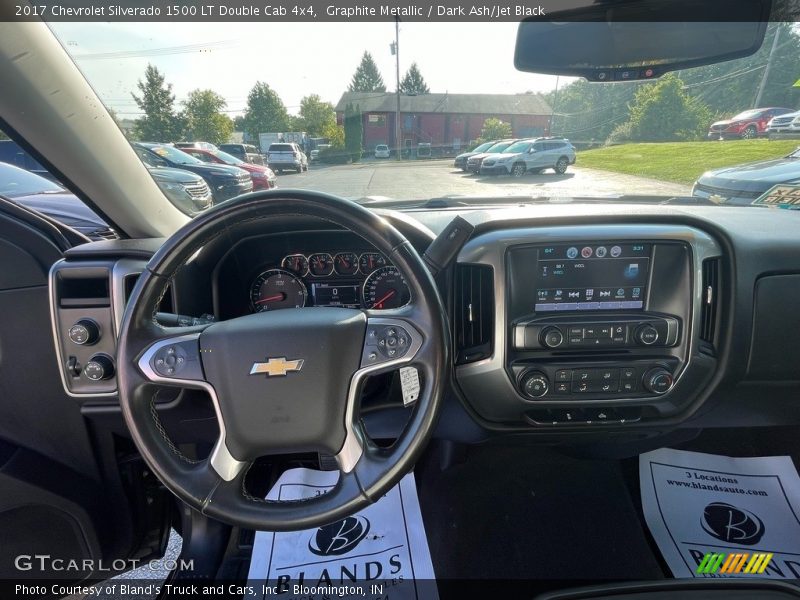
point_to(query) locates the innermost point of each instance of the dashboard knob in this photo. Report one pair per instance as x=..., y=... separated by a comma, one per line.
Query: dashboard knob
x=646, y=335
x=534, y=384
x=657, y=380
x=84, y=333
x=99, y=367
x=552, y=337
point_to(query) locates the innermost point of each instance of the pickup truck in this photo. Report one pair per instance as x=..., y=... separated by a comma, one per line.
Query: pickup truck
x=282, y=156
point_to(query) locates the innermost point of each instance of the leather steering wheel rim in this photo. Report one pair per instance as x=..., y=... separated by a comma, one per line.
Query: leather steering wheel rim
x=215, y=486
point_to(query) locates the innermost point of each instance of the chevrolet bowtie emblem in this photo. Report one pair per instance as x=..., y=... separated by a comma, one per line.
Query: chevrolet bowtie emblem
x=276, y=366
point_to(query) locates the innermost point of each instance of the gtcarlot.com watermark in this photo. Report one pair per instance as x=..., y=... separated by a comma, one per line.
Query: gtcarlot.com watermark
x=34, y=563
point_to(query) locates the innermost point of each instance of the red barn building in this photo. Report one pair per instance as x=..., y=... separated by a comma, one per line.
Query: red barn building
x=446, y=121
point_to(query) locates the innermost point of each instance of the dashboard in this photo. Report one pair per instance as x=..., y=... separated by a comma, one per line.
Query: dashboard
x=631, y=321
x=300, y=269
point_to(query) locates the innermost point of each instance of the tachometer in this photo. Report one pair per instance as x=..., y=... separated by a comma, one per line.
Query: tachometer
x=386, y=288
x=275, y=289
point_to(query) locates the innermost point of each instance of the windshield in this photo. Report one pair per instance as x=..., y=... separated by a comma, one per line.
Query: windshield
x=518, y=147
x=483, y=147
x=173, y=154
x=15, y=183
x=336, y=126
x=748, y=114
x=227, y=158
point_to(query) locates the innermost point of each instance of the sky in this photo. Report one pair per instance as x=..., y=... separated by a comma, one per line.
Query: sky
x=295, y=59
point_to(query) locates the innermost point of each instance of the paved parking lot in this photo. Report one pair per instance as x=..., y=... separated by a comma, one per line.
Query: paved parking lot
x=437, y=178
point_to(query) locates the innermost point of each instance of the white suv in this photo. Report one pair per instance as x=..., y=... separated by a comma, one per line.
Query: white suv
x=531, y=155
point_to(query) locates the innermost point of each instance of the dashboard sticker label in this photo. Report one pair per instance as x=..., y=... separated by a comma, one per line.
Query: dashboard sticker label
x=717, y=516
x=409, y=382
x=780, y=196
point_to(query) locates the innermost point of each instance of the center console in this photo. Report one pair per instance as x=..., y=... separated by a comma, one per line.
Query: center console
x=591, y=325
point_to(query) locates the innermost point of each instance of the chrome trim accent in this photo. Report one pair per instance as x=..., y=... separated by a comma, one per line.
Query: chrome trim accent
x=351, y=450
x=222, y=461
x=122, y=269
x=490, y=249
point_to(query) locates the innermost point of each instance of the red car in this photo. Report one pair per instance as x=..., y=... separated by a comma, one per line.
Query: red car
x=746, y=125
x=263, y=177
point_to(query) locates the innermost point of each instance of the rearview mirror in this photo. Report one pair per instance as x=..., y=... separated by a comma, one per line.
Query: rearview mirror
x=621, y=40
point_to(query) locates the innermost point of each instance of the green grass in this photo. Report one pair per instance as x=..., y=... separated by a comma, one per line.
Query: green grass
x=682, y=162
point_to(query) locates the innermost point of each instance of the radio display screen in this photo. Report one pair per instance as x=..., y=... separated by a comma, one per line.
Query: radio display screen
x=577, y=277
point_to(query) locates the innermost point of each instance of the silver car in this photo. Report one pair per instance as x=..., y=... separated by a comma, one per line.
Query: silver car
x=533, y=155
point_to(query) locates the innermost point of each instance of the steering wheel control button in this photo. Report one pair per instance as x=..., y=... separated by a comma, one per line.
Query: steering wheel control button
x=384, y=343
x=658, y=380
x=534, y=384
x=178, y=360
x=552, y=337
x=84, y=333
x=646, y=335
x=99, y=368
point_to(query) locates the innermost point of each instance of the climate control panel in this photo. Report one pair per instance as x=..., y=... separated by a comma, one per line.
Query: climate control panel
x=558, y=381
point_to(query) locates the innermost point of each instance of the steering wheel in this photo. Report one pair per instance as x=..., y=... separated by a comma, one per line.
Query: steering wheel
x=282, y=381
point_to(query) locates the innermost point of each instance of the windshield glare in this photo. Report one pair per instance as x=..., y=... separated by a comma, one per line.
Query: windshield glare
x=333, y=125
x=15, y=183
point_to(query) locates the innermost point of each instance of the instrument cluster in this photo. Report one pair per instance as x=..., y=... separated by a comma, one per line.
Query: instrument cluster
x=347, y=279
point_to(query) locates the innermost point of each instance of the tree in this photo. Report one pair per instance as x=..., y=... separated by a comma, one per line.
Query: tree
x=204, y=118
x=495, y=129
x=335, y=135
x=315, y=115
x=413, y=82
x=353, y=132
x=159, y=123
x=665, y=112
x=265, y=111
x=367, y=78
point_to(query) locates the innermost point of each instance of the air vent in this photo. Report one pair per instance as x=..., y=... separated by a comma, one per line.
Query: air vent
x=104, y=234
x=473, y=316
x=710, y=303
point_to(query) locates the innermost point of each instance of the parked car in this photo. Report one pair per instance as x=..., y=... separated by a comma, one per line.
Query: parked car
x=461, y=160
x=423, y=150
x=186, y=190
x=200, y=145
x=785, y=123
x=14, y=154
x=474, y=161
x=42, y=195
x=263, y=177
x=244, y=152
x=746, y=125
x=286, y=155
x=742, y=184
x=533, y=155
x=382, y=151
x=225, y=181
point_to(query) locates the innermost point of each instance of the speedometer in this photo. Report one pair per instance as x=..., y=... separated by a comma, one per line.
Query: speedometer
x=386, y=288
x=275, y=289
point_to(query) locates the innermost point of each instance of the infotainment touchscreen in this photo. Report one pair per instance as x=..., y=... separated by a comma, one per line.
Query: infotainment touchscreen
x=591, y=276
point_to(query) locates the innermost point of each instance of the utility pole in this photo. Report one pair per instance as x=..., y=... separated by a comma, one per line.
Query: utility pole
x=396, y=51
x=553, y=108
x=764, y=77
